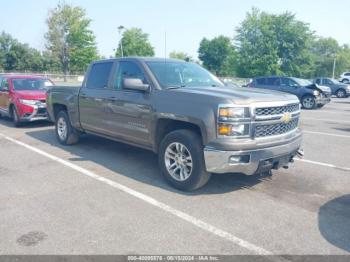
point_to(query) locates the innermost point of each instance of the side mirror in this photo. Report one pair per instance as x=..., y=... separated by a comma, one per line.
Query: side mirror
x=135, y=84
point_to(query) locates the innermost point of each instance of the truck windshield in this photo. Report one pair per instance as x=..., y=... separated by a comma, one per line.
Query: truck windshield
x=31, y=84
x=334, y=81
x=182, y=74
x=302, y=82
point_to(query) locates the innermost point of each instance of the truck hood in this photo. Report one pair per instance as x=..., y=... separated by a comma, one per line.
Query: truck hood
x=241, y=96
x=31, y=94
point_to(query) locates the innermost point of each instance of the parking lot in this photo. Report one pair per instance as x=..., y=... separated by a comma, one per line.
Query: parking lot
x=103, y=197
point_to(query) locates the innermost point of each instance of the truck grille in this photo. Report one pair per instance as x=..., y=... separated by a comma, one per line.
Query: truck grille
x=275, y=129
x=278, y=110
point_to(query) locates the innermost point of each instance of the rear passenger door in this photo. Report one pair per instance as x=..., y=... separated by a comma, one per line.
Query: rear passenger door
x=93, y=97
x=272, y=83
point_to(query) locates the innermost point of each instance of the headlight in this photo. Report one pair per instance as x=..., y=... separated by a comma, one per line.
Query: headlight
x=29, y=102
x=316, y=93
x=233, y=113
x=233, y=121
x=348, y=88
x=237, y=130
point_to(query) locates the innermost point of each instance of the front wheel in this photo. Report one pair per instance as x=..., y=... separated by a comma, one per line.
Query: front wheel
x=308, y=102
x=15, y=118
x=181, y=160
x=65, y=132
x=340, y=93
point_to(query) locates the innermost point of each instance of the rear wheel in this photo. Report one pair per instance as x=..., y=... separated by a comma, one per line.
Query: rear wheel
x=308, y=102
x=15, y=118
x=340, y=93
x=181, y=160
x=65, y=132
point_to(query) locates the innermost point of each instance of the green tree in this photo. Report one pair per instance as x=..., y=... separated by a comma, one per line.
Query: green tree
x=218, y=55
x=325, y=51
x=342, y=60
x=15, y=56
x=6, y=42
x=181, y=56
x=273, y=44
x=134, y=43
x=69, y=39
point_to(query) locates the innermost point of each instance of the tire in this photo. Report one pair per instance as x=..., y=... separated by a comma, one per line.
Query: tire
x=340, y=93
x=308, y=102
x=66, y=134
x=15, y=118
x=189, y=173
x=320, y=106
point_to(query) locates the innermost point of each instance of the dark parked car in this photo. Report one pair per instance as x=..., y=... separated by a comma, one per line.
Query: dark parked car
x=310, y=95
x=338, y=89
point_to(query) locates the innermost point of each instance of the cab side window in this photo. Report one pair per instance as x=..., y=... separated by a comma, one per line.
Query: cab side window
x=327, y=82
x=273, y=81
x=128, y=69
x=4, y=85
x=288, y=82
x=99, y=75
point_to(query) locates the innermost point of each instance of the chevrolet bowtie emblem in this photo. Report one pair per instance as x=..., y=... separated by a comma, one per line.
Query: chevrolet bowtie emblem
x=286, y=118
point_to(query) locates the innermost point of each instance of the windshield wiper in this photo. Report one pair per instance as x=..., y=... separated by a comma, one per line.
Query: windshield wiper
x=175, y=87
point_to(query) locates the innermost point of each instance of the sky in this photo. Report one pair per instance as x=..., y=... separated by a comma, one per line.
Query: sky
x=184, y=22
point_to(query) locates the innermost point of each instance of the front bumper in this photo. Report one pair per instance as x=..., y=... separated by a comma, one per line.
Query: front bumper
x=255, y=161
x=322, y=100
x=38, y=113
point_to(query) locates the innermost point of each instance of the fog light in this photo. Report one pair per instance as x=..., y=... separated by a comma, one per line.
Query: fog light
x=234, y=159
x=239, y=159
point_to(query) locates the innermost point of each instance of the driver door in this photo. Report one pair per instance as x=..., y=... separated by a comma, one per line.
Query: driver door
x=4, y=95
x=290, y=86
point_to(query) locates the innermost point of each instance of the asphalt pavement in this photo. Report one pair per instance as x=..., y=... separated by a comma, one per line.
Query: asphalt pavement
x=104, y=197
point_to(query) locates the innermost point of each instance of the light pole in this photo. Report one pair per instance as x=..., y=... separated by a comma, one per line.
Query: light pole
x=334, y=61
x=120, y=29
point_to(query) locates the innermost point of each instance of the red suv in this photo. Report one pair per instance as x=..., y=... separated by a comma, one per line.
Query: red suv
x=23, y=98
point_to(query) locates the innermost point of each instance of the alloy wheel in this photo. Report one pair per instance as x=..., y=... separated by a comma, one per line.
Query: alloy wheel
x=62, y=128
x=178, y=161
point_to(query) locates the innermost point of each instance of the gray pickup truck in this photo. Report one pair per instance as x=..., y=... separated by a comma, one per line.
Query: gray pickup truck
x=180, y=111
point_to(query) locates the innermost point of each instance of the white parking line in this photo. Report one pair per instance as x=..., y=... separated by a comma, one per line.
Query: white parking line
x=326, y=120
x=323, y=164
x=184, y=216
x=326, y=134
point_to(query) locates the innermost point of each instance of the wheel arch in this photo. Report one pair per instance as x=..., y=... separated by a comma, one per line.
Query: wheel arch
x=164, y=126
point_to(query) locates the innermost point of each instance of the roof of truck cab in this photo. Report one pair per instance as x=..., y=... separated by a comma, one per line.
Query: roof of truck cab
x=144, y=59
